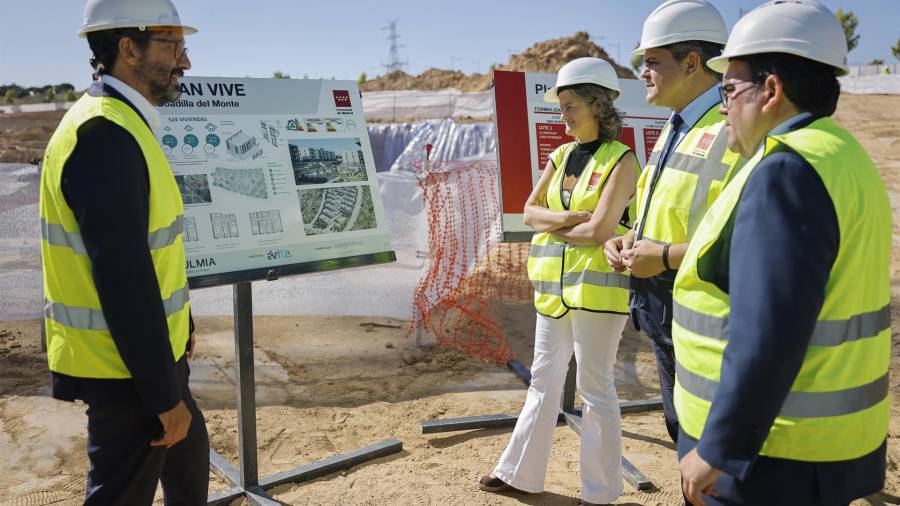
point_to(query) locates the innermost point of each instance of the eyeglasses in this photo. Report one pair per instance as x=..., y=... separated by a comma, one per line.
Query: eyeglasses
x=178, y=46
x=728, y=93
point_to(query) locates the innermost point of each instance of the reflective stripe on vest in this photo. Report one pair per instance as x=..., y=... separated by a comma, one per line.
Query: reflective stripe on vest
x=56, y=235
x=568, y=276
x=838, y=405
x=79, y=343
x=800, y=404
x=85, y=318
x=679, y=203
x=825, y=333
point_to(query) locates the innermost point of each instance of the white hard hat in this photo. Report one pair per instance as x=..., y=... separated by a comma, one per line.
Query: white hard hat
x=681, y=21
x=110, y=14
x=799, y=27
x=587, y=70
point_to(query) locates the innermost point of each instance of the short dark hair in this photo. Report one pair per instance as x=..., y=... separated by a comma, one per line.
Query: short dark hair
x=706, y=50
x=105, y=46
x=810, y=85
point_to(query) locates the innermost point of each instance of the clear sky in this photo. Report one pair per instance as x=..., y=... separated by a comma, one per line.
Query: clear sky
x=39, y=45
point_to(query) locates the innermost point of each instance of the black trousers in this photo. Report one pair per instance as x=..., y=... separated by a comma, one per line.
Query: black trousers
x=660, y=340
x=125, y=469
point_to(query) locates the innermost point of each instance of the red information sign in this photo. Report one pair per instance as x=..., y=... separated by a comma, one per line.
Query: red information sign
x=626, y=137
x=549, y=137
x=529, y=129
x=650, y=137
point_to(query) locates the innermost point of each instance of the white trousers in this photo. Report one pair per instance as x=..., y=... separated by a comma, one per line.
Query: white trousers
x=595, y=339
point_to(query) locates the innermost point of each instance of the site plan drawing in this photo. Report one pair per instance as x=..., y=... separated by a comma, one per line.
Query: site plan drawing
x=279, y=173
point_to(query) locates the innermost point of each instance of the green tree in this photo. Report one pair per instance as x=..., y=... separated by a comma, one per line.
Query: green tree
x=896, y=50
x=849, y=22
x=10, y=96
x=280, y=75
x=49, y=94
x=71, y=96
x=637, y=60
x=877, y=61
x=362, y=79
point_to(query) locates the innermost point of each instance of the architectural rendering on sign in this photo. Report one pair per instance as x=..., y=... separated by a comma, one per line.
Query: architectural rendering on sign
x=317, y=161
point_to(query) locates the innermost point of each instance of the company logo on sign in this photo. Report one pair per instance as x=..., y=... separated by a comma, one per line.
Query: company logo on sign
x=341, y=98
x=706, y=141
x=294, y=124
x=197, y=263
x=277, y=254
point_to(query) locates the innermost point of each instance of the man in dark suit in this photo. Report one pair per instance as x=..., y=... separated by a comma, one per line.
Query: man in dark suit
x=782, y=304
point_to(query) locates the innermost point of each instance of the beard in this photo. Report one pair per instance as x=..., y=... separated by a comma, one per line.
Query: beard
x=158, y=79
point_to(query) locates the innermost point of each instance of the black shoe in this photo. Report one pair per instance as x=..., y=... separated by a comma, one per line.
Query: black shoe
x=490, y=483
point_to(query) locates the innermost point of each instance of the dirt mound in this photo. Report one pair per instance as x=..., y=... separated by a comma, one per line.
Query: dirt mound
x=547, y=56
x=550, y=55
x=431, y=79
x=24, y=135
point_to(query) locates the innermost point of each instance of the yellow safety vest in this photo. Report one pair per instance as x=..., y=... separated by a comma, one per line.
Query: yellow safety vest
x=837, y=408
x=78, y=341
x=694, y=175
x=568, y=276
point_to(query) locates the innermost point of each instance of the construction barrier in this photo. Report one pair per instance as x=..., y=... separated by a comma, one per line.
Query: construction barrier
x=416, y=104
x=469, y=269
x=871, y=84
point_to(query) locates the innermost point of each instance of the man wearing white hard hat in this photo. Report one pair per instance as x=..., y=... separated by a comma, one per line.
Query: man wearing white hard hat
x=579, y=202
x=117, y=309
x=688, y=167
x=782, y=303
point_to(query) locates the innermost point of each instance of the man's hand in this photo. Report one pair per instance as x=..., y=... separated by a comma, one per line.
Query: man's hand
x=577, y=218
x=176, y=423
x=698, y=478
x=613, y=249
x=643, y=259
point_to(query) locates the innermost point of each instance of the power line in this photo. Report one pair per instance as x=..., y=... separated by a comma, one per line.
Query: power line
x=394, y=61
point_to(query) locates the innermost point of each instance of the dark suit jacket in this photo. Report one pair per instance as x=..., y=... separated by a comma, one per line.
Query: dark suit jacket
x=105, y=182
x=778, y=249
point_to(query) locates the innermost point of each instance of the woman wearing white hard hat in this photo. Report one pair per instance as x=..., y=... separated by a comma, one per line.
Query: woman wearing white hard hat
x=782, y=326
x=580, y=201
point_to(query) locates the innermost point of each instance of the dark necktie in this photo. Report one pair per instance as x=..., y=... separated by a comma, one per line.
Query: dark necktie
x=664, y=157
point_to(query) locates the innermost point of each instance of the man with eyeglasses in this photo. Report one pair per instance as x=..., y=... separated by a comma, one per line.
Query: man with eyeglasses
x=117, y=310
x=782, y=303
x=687, y=169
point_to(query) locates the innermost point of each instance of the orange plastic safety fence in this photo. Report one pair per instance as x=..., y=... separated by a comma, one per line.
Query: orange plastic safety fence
x=470, y=270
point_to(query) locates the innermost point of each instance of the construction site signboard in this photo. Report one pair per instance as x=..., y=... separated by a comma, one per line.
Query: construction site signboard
x=529, y=129
x=277, y=177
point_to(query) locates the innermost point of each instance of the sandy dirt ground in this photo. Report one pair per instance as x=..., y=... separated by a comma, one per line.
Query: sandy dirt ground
x=327, y=385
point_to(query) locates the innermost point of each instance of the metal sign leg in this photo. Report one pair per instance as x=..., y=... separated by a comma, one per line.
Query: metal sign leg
x=245, y=482
x=246, y=384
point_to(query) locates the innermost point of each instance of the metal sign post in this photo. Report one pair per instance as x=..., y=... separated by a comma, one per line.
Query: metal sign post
x=245, y=481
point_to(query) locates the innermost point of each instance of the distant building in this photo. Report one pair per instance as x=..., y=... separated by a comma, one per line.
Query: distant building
x=295, y=155
x=353, y=157
x=299, y=154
